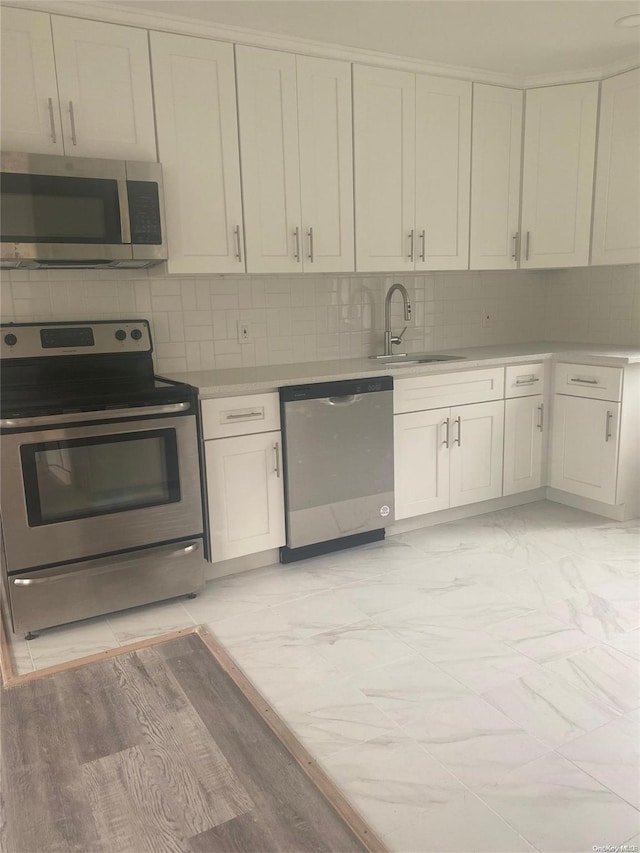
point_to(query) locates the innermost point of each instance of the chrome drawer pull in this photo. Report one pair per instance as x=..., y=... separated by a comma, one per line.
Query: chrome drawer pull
x=607, y=430
x=527, y=381
x=423, y=238
x=276, y=453
x=411, y=245
x=236, y=231
x=585, y=381
x=310, y=236
x=540, y=423
x=447, y=425
x=232, y=417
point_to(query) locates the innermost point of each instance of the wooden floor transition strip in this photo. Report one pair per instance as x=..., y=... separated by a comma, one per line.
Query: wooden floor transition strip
x=162, y=745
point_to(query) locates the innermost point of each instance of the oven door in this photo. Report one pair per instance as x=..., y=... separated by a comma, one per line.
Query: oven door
x=82, y=491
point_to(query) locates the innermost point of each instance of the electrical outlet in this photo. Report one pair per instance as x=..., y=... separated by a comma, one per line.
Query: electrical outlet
x=244, y=332
x=487, y=318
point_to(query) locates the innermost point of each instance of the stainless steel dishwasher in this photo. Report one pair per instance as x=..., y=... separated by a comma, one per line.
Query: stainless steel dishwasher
x=338, y=464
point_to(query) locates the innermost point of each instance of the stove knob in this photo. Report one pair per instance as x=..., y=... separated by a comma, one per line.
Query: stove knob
x=10, y=339
x=121, y=335
x=136, y=334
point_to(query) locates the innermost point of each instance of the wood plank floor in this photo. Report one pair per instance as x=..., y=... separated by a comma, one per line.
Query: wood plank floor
x=160, y=750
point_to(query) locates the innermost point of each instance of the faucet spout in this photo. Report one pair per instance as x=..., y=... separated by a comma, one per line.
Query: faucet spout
x=389, y=338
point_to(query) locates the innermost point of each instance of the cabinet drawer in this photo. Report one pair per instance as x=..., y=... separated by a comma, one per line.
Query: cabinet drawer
x=588, y=380
x=226, y=416
x=447, y=389
x=524, y=380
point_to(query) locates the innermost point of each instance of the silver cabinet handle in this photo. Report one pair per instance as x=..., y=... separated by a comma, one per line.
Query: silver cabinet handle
x=310, y=236
x=447, y=425
x=72, y=119
x=236, y=231
x=423, y=251
x=232, y=417
x=527, y=246
x=607, y=432
x=527, y=381
x=52, y=121
x=515, y=246
x=104, y=566
x=540, y=423
x=276, y=453
x=585, y=381
x=458, y=421
x=296, y=235
x=411, y=245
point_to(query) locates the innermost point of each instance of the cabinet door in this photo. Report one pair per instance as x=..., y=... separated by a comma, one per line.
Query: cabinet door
x=616, y=215
x=476, y=452
x=495, y=177
x=104, y=82
x=557, y=183
x=384, y=148
x=443, y=163
x=268, y=115
x=246, y=499
x=584, y=447
x=30, y=111
x=523, y=425
x=421, y=461
x=195, y=98
x=326, y=163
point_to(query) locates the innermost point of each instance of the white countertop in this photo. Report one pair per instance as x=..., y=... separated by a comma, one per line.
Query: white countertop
x=249, y=380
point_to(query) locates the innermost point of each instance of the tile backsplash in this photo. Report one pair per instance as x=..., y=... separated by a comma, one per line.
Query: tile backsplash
x=293, y=319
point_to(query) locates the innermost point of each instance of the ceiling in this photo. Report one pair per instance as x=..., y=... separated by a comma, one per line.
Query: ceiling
x=521, y=37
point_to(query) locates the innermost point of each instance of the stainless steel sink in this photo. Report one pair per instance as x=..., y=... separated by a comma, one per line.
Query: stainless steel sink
x=414, y=358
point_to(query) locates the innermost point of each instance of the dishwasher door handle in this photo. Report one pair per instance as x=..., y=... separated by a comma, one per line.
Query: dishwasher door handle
x=346, y=400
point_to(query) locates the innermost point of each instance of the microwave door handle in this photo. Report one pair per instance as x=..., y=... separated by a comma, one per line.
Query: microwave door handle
x=123, y=202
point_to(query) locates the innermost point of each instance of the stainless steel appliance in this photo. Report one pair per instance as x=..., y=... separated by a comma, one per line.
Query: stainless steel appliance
x=79, y=212
x=101, y=499
x=338, y=464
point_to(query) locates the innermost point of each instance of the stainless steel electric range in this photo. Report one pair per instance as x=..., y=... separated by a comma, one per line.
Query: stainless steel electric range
x=100, y=482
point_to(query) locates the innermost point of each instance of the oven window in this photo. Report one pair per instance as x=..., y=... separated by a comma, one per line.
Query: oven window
x=54, y=209
x=85, y=477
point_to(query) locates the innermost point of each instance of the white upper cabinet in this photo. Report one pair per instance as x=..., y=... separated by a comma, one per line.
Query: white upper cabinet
x=557, y=184
x=195, y=99
x=295, y=147
x=268, y=115
x=384, y=147
x=616, y=215
x=412, y=135
x=495, y=177
x=326, y=164
x=30, y=111
x=104, y=83
x=443, y=160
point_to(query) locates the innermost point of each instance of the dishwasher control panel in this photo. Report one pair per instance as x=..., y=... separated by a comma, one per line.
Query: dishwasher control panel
x=317, y=390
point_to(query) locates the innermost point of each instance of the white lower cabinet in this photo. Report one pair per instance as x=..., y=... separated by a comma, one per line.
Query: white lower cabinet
x=447, y=457
x=523, y=439
x=243, y=461
x=584, y=455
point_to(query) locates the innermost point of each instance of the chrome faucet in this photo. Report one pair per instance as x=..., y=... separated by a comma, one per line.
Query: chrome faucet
x=389, y=339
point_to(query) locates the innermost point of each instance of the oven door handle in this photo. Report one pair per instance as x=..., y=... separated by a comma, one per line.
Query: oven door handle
x=102, y=415
x=102, y=566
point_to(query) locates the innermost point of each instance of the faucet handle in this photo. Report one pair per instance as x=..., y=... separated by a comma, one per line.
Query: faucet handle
x=397, y=339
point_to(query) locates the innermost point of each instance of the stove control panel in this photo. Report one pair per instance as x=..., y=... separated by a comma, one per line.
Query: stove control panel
x=30, y=340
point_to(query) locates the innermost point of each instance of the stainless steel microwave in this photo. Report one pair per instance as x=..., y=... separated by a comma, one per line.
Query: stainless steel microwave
x=79, y=213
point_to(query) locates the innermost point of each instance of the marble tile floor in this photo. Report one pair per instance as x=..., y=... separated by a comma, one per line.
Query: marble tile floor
x=472, y=686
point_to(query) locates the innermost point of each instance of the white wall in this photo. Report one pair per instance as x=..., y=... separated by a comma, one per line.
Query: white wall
x=596, y=304
x=291, y=319
x=307, y=319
